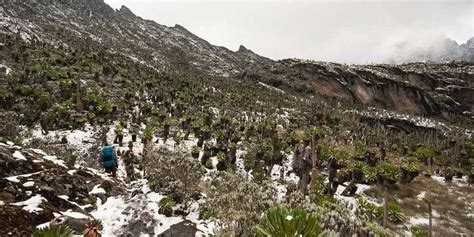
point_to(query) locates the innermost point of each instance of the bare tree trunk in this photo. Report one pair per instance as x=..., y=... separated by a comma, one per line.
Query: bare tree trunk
x=79, y=106
x=282, y=173
x=385, y=207
x=430, y=220
x=313, y=152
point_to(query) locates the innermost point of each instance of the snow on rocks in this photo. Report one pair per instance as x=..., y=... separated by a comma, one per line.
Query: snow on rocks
x=16, y=180
x=460, y=182
x=66, y=198
x=28, y=184
x=416, y=120
x=6, y=69
x=141, y=205
x=415, y=221
x=31, y=205
x=111, y=214
x=55, y=160
x=421, y=196
x=75, y=215
x=271, y=87
x=39, y=152
x=18, y=155
x=351, y=202
x=97, y=190
x=82, y=140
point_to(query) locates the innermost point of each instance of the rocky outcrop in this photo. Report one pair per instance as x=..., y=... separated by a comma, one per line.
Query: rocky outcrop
x=37, y=188
x=419, y=88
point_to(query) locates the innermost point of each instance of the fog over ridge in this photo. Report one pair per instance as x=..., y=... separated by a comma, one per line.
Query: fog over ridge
x=342, y=31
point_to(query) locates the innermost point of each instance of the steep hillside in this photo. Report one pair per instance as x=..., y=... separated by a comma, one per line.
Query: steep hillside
x=427, y=89
x=164, y=48
x=209, y=141
x=444, y=89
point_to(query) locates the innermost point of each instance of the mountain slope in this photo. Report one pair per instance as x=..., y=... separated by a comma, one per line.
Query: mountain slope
x=162, y=47
x=419, y=88
x=440, y=50
x=223, y=150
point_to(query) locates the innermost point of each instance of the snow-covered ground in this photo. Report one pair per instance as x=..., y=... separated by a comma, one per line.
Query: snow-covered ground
x=117, y=211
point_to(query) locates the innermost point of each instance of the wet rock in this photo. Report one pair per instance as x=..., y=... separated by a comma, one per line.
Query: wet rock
x=182, y=229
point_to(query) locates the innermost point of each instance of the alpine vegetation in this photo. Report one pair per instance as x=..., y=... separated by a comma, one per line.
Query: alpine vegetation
x=113, y=125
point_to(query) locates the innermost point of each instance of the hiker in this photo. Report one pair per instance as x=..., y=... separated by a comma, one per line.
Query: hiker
x=129, y=159
x=108, y=159
x=119, y=134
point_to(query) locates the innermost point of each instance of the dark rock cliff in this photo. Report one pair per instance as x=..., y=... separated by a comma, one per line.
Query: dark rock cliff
x=419, y=88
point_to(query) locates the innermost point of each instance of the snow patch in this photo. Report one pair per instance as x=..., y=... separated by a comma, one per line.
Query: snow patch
x=76, y=215
x=16, y=180
x=29, y=184
x=97, y=190
x=31, y=205
x=55, y=160
x=18, y=155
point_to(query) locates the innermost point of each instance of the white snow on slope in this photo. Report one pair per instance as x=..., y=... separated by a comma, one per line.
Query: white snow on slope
x=18, y=155
x=31, y=205
x=271, y=87
x=15, y=178
x=76, y=215
x=97, y=190
x=55, y=160
x=29, y=184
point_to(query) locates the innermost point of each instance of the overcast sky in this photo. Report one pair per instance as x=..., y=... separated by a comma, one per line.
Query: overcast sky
x=338, y=30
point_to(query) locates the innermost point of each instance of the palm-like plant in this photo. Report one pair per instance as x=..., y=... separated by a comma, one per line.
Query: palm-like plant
x=93, y=228
x=395, y=213
x=54, y=231
x=287, y=222
x=166, y=206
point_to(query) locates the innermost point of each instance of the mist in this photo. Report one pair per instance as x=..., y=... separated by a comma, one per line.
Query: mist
x=340, y=31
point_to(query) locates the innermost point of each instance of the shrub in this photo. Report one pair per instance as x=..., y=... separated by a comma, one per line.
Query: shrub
x=418, y=231
x=388, y=171
x=369, y=210
x=395, y=213
x=287, y=222
x=370, y=174
x=9, y=126
x=317, y=191
x=174, y=173
x=238, y=203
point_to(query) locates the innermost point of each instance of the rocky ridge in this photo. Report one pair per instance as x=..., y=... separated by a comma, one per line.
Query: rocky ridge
x=164, y=48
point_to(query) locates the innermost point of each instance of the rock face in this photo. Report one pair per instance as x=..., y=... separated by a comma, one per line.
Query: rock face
x=182, y=229
x=36, y=188
x=428, y=89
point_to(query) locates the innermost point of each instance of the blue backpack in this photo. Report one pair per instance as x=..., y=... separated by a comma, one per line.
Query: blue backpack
x=108, y=157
